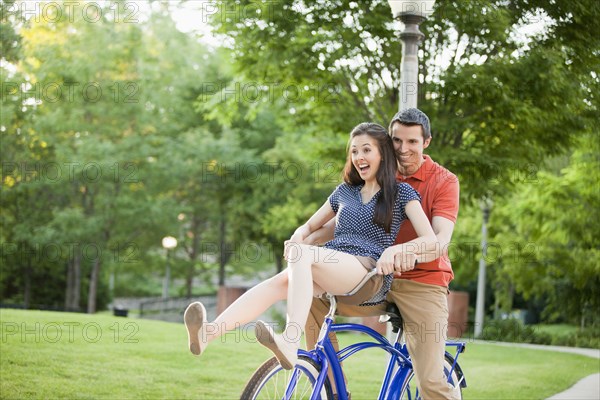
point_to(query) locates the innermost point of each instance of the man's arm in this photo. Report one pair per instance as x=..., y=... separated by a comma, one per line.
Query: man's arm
x=423, y=252
x=444, y=211
x=443, y=228
x=425, y=241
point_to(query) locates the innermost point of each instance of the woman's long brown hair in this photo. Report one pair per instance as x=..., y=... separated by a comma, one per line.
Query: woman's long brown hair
x=386, y=174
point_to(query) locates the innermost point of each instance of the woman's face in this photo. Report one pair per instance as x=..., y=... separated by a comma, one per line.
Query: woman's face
x=366, y=157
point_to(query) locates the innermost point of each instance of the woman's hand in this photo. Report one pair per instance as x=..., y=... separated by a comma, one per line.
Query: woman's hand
x=394, y=260
x=290, y=245
x=385, y=264
x=405, y=261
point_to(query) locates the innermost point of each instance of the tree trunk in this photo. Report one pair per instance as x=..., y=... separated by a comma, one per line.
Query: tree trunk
x=189, y=279
x=27, y=284
x=91, y=308
x=76, y=282
x=73, y=288
x=223, y=256
x=69, y=284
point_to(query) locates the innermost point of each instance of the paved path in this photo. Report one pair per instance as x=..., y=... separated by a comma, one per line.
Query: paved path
x=586, y=389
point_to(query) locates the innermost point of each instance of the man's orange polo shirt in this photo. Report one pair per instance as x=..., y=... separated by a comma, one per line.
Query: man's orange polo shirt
x=439, y=190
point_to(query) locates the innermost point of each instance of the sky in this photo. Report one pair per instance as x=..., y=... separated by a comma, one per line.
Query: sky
x=193, y=15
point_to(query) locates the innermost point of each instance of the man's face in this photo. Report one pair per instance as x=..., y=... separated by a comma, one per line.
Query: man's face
x=409, y=146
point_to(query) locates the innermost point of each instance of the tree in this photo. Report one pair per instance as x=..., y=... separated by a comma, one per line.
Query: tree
x=92, y=140
x=557, y=256
x=496, y=87
x=501, y=101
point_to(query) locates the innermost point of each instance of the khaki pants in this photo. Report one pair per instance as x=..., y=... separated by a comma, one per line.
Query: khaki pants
x=424, y=309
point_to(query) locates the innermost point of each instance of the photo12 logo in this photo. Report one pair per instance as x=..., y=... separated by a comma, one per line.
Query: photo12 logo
x=89, y=11
x=68, y=332
x=236, y=12
x=55, y=252
x=55, y=172
x=271, y=92
x=72, y=92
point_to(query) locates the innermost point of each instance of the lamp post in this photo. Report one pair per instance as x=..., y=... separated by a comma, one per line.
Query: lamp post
x=486, y=207
x=411, y=13
x=169, y=243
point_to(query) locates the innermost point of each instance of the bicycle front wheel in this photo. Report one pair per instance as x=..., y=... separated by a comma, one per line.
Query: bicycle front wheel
x=271, y=381
x=410, y=391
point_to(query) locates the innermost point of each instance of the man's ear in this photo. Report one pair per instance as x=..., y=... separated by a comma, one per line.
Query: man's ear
x=426, y=143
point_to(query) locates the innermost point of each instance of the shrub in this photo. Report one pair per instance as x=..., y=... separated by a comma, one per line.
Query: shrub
x=513, y=330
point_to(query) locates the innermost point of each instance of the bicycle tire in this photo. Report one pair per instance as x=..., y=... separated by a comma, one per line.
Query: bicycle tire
x=270, y=381
x=411, y=392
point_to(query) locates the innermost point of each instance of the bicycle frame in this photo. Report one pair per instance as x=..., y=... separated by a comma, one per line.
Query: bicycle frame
x=398, y=368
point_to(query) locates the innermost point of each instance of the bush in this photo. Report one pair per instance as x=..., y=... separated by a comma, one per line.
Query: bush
x=589, y=337
x=513, y=330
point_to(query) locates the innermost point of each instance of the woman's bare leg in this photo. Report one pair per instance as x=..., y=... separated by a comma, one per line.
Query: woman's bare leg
x=332, y=271
x=245, y=309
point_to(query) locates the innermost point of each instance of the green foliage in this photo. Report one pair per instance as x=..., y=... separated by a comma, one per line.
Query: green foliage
x=10, y=40
x=514, y=331
x=116, y=134
x=498, y=105
x=548, y=225
x=129, y=160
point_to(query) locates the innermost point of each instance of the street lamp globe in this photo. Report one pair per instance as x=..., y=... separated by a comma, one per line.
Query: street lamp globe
x=169, y=242
x=423, y=8
x=411, y=13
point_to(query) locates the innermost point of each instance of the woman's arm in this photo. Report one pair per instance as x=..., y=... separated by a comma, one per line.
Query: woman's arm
x=318, y=219
x=322, y=235
x=314, y=223
x=426, y=242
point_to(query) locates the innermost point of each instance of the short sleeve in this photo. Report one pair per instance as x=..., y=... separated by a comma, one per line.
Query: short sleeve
x=334, y=198
x=405, y=194
x=445, y=203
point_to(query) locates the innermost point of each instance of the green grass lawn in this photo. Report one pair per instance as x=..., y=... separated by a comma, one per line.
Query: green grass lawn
x=63, y=355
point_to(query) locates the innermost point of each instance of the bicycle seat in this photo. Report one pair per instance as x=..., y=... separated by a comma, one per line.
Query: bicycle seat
x=394, y=316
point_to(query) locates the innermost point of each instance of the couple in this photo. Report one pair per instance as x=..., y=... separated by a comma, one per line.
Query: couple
x=369, y=209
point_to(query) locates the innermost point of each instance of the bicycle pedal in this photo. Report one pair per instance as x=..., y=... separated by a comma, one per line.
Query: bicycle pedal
x=384, y=318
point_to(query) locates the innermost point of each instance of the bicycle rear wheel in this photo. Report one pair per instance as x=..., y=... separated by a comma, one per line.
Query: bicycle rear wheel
x=411, y=391
x=271, y=381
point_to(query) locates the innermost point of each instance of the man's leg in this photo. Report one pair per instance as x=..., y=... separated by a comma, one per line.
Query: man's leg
x=316, y=316
x=424, y=309
x=320, y=308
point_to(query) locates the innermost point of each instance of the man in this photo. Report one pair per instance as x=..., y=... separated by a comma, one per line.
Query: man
x=419, y=292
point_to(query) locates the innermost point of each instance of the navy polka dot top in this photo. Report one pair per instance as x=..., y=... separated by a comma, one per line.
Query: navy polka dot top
x=356, y=234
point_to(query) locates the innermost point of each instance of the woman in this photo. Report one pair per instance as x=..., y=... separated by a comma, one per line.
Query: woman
x=369, y=208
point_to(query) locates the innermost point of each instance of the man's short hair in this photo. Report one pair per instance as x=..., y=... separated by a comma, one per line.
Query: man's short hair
x=412, y=117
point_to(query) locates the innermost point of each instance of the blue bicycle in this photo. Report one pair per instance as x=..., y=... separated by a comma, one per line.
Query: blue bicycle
x=309, y=379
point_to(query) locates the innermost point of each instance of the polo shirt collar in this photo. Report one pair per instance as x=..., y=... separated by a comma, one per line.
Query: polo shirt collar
x=421, y=173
